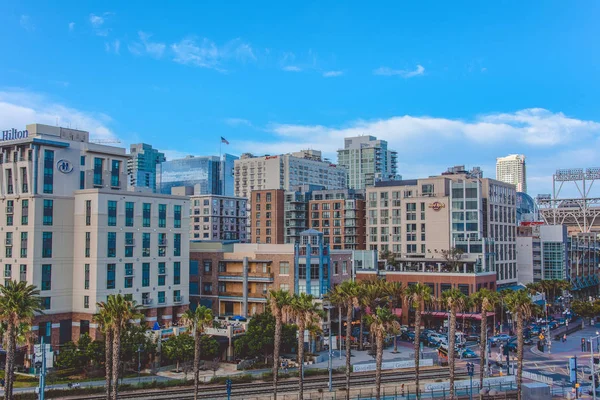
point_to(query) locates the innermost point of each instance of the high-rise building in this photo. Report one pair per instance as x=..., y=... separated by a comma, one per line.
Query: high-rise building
x=219, y=218
x=367, y=160
x=72, y=229
x=286, y=171
x=141, y=166
x=511, y=169
x=207, y=174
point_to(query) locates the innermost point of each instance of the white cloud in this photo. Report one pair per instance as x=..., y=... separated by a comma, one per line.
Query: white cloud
x=145, y=46
x=291, y=68
x=237, y=122
x=174, y=154
x=96, y=20
x=71, y=26
x=19, y=108
x=25, y=22
x=98, y=23
x=386, y=71
x=205, y=53
x=113, y=47
x=331, y=74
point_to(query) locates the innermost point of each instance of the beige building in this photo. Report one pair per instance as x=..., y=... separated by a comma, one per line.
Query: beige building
x=420, y=219
x=82, y=236
x=305, y=167
x=218, y=218
x=512, y=169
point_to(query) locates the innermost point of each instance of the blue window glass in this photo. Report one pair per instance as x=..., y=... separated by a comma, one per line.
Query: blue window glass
x=162, y=215
x=46, y=277
x=177, y=216
x=129, y=207
x=110, y=276
x=81, y=180
x=112, y=213
x=48, y=212
x=46, y=244
x=48, y=171
x=145, y=245
x=146, y=215
x=177, y=244
x=115, y=173
x=112, y=244
x=146, y=274
x=98, y=166
x=176, y=273
x=82, y=160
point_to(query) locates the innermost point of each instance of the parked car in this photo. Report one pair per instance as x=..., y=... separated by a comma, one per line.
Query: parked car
x=408, y=336
x=553, y=325
x=473, y=337
x=499, y=339
x=468, y=353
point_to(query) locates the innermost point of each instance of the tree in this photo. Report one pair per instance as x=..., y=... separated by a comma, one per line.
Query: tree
x=417, y=295
x=121, y=311
x=585, y=309
x=487, y=301
x=382, y=322
x=104, y=320
x=69, y=357
x=396, y=294
x=519, y=303
x=453, y=256
x=279, y=302
x=453, y=300
x=19, y=302
x=374, y=294
x=259, y=339
x=197, y=320
x=346, y=296
x=178, y=348
x=133, y=338
x=304, y=311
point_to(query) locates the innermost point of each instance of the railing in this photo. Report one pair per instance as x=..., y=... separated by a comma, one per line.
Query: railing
x=129, y=272
x=8, y=242
x=7, y=274
x=146, y=302
x=162, y=300
x=9, y=209
x=177, y=299
x=162, y=242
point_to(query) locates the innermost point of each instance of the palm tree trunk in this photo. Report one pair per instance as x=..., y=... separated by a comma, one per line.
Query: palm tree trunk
x=519, y=354
x=196, y=362
x=360, y=334
x=378, y=361
x=276, y=349
x=116, y=361
x=300, y=360
x=417, y=346
x=482, y=344
x=10, y=361
x=108, y=350
x=348, y=348
x=451, y=342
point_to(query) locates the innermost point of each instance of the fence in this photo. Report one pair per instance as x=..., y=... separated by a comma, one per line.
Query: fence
x=538, y=378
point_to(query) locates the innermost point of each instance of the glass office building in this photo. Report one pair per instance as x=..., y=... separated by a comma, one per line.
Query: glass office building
x=207, y=174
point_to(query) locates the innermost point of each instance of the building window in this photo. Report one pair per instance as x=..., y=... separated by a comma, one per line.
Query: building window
x=115, y=173
x=129, y=213
x=87, y=244
x=162, y=215
x=88, y=212
x=177, y=244
x=128, y=269
x=145, y=274
x=207, y=288
x=162, y=271
x=98, y=167
x=7, y=273
x=112, y=213
x=284, y=268
x=284, y=286
x=162, y=244
x=111, y=244
x=48, y=328
x=46, y=277
x=176, y=273
x=128, y=282
x=176, y=296
x=110, y=276
x=146, y=215
x=207, y=266
x=145, y=245
x=23, y=273
x=161, y=297
x=129, y=243
x=86, y=276
x=345, y=267
x=82, y=160
x=81, y=180
x=23, y=244
x=9, y=242
x=177, y=216
x=48, y=212
x=46, y=244
x=24, y=187
x=86, y=301
x=24, y=212
x=48, y=171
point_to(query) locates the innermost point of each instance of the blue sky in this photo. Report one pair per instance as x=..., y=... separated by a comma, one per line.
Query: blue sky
x=444, y=82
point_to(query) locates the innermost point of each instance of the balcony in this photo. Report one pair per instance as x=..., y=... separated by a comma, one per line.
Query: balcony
x=8, y=242
x=252, y=276
x=162, y=242
x=177, y=299
x=129, y=272
x=9, y=209
x=147, y=302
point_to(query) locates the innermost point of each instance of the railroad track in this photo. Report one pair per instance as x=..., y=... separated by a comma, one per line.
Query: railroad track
x=243, y=390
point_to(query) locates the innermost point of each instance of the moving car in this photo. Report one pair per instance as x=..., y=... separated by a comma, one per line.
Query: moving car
x=499, y=339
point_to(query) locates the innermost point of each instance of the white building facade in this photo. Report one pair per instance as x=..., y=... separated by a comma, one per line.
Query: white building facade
x=219, y=218
x=512, y=169
x=72, y=229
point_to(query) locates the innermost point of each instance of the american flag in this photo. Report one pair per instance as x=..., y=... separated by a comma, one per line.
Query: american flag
x=223, y=140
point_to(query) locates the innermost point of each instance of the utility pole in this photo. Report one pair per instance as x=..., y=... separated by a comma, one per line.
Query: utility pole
x=42, y=388
x=139, y=351
x=328, y=306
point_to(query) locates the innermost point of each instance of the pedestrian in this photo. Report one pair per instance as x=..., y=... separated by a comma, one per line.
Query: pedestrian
x=2, y=382
x=564, y=338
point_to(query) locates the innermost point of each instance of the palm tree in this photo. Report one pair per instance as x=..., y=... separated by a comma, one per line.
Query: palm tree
x=346, y=295
x=396, y=293
x=519, y=303
x=374, y=294
x=103, y=319
x=19, y=302
x=417, y=295
x=453, y=300
x=304, y=312
x=121, y=311
x=279, y=301
x=382, y=322
x=197, y=320
x=487, y=301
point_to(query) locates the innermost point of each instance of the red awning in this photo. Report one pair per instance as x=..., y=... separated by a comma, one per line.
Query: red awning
x=443, y=314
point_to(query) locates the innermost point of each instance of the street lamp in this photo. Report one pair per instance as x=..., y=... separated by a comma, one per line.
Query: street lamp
x=592, y=363
x=327, y=306
x=471, y=371
x=139, y=351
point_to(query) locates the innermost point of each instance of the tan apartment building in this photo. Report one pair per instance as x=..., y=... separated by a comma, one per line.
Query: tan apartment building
x=267, y=222
x=73, y=230
x=218, y=218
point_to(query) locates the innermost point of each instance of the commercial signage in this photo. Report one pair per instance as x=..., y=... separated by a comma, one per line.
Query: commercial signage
x=437, y=206
x=428, y=362
x=13, y=134
x=64, y=166
x=270, y=157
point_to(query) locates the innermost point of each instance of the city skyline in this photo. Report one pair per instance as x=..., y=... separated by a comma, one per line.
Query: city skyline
x=485, y=89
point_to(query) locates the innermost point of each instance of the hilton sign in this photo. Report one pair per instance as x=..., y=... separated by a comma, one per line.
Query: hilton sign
x=13, y=134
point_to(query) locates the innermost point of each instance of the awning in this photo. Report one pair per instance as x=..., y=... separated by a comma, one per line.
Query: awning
x=514, y=288
x=443, y=314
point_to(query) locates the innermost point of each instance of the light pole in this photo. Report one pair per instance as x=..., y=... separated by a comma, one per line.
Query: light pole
x=471, y=371
x=328, y=307
x=592, y=363
x=139, y=351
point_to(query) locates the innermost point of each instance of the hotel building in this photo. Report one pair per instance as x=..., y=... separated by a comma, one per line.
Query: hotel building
x=72, y=229
x=512, y=169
